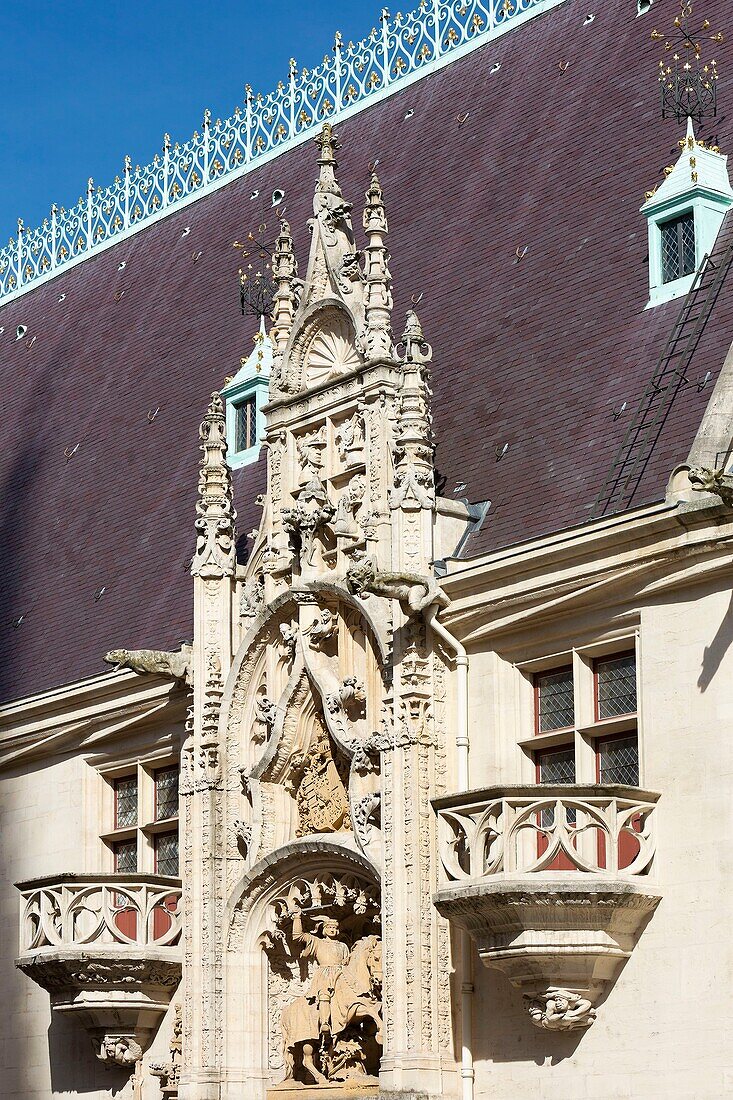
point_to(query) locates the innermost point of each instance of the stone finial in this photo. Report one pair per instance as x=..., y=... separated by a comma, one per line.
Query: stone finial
x=284, y=270
x=215, y=544
x=378, y=293
x=414, y=479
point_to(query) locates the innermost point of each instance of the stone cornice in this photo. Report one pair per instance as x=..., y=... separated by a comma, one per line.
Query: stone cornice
x=633, y=555
x=82, y=714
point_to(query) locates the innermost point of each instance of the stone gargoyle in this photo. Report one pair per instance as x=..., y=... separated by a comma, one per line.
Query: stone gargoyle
x=718, y=482
x=176, y=666
x=415, y=591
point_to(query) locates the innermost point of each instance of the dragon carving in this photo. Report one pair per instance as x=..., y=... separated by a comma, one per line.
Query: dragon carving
x=415, y=591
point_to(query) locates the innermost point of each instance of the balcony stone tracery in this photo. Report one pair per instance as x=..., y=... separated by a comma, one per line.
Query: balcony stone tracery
x=106, y=948
x=554, y=885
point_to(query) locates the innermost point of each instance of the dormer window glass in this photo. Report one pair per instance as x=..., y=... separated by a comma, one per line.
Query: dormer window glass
x=245, y=424
x=678, y=247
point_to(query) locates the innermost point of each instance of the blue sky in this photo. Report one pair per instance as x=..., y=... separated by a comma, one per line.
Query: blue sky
x=87, y=81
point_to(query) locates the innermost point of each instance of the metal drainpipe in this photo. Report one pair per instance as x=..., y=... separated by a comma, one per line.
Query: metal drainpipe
x=462, y=748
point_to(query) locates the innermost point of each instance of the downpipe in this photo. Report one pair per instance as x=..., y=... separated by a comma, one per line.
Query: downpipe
x=462, y=751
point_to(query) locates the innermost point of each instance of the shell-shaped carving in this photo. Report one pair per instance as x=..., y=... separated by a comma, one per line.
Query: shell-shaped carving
x=331, y=352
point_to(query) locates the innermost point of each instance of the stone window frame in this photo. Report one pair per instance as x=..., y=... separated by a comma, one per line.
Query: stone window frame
x=588, y=732
x=147, y=827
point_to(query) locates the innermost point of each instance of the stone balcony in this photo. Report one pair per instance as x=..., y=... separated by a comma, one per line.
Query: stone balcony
x=553, y=883
x=107, y=949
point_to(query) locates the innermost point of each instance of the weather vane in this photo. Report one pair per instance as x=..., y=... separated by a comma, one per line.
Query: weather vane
x=256, y=285
x=688, y=83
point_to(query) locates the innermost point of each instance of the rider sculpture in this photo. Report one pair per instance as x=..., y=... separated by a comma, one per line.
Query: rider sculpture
x=342, y=994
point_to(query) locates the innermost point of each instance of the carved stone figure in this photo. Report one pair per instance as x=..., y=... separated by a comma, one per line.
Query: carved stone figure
x=323, y=629
x=350, y=440
x=264, y=719
x=168, y=1073
x=175, y=665
x=343, y=992
x=119, y=1050
x=289, y=640
x=252, y=600
x=350, y=697
x=560, y=1010
x=718, y=482
x=416, y=591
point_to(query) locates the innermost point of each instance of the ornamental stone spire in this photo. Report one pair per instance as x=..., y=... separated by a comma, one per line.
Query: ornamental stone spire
x=414, y=482
x=285, y=270
x=378, y=293
x=215, y=544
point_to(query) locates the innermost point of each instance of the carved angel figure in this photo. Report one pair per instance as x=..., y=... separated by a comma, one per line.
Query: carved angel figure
x=119, y=1050
x=560, y=1010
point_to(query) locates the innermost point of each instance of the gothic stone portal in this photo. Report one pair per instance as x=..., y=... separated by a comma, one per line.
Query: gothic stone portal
x=325, y=983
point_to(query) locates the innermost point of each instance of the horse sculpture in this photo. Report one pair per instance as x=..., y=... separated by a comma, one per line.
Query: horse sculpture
x=355, y=1000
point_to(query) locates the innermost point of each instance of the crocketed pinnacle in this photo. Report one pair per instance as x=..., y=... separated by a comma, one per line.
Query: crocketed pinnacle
x=378, y=292
x=215, y=515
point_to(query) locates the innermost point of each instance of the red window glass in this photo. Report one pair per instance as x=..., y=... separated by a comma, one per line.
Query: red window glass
x=554, y=700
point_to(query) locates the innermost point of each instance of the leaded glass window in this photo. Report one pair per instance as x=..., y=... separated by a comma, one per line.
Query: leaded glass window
x=166, y=854
x=126, y=802
x=618, y=761
x=166, y=793
x=555, y=700
x=245, y=434
x=678, y=247
x=556, y=767
x=125, y=857
x=616, y=686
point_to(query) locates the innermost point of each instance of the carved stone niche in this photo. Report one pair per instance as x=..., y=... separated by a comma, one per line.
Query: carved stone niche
x=324, y=955
x=106, y=948
x=553, y=885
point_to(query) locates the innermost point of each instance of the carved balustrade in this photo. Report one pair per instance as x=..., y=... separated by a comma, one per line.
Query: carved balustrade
x=106, y=948
x=138, y=910
x=553, y=883
x=526, y=830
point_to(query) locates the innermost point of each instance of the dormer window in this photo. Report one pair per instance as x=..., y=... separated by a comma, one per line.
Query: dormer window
x=246, y=396
x=678, y=247
x=684, y=215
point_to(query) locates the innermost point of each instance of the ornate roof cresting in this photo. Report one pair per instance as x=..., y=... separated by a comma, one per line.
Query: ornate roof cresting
x=215, y=544
x=352, y=75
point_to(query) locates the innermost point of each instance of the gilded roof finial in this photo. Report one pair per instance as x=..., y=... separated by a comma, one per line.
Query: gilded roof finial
x=687, y=82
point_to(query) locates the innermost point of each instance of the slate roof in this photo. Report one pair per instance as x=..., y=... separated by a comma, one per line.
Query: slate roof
x=536, y=352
